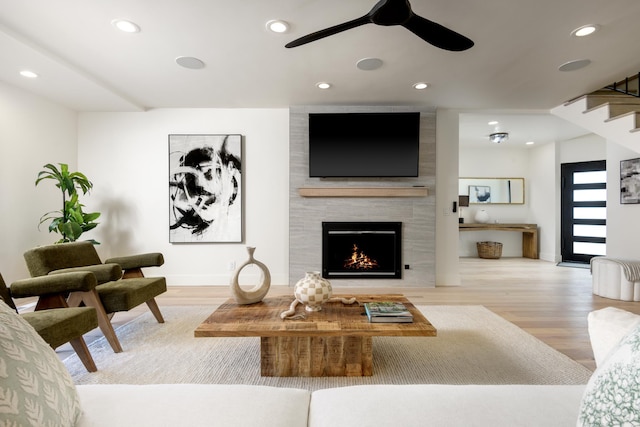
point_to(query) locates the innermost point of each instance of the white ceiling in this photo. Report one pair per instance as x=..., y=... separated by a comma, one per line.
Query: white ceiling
x=86, y=64
x=540, y=128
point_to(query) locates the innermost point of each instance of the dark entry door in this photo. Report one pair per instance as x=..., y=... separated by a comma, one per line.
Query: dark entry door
x=583, y=210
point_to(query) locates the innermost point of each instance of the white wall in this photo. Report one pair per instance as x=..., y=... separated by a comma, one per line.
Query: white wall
x=126, y=157
x=623, y=229
x=544, y=199
x=34, y=132
x=447, y=145
x=495, y=161
x=582, y=149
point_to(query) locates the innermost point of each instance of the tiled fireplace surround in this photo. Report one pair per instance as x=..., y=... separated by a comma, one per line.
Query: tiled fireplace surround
x=417, y=214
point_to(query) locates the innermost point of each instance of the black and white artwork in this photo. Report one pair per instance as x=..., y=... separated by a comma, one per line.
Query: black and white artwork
x=205, y=188
x=630, y=181
x=479, y=194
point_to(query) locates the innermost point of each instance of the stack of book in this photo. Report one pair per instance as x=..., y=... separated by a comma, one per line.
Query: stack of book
x=387, y=312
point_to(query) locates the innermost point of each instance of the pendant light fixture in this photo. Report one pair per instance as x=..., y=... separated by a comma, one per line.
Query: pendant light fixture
x=498, y=137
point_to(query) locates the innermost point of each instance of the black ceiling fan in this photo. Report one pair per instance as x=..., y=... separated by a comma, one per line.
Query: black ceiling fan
x=396, y=12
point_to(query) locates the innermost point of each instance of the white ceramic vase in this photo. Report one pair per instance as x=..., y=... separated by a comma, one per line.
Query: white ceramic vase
x=313, y=290
x=482, y=216
x=259, y=291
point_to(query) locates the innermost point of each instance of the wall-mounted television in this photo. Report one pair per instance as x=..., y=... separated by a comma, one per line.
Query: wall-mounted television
x=364, y=144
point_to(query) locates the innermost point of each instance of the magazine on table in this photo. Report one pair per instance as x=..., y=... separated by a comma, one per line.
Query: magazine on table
x=388, y=312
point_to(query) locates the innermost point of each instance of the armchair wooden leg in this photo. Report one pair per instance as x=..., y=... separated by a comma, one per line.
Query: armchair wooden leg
x=91, y=299
x=153, y=306
x=81, y=349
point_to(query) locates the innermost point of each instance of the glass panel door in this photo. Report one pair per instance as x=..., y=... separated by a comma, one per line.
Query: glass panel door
x=583, y=211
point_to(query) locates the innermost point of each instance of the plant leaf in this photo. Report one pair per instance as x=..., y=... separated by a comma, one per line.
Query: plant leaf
x=70, y=221
x=91, y=216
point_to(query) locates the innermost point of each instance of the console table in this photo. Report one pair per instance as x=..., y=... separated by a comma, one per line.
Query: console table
x=529, y=234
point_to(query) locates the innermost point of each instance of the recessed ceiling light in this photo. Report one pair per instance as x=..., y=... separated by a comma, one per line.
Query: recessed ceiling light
x=125, y=26
x=190, y=62
x=323, y=85
x=28, y=74
x=585, y=30
x=493, y=123
x=530, y=142
x=574, y=65
x=421, y=86
x=369, y=64
x=278, y=26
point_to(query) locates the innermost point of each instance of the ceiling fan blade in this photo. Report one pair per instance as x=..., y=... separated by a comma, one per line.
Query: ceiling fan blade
x=436, y=34
x=329, y=31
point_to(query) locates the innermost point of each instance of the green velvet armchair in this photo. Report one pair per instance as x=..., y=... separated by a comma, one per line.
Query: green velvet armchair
x=61, y=325
x=116, y=291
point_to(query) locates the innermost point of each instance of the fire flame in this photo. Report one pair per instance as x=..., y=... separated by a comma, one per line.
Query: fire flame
x=359, y=261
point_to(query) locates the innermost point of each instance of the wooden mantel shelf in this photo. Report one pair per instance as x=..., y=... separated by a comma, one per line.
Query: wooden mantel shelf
x=363, y=191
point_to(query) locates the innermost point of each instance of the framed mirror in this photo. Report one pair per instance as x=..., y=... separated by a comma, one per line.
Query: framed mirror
x=503, y=191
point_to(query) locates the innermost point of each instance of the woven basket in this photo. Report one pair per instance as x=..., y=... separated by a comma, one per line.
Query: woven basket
x=490, y=250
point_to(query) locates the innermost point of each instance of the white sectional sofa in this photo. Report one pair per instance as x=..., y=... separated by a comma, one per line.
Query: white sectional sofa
x=47, y=394
x=192, y=405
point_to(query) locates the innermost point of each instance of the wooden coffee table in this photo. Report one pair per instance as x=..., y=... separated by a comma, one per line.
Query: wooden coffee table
x=336, y=341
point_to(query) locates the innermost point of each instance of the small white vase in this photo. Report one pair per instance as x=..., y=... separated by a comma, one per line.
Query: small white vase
x=482, y=216
x=258, y=292
x=313, y=290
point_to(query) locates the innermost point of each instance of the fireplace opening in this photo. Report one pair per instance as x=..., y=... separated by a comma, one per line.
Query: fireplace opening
x=353, y=250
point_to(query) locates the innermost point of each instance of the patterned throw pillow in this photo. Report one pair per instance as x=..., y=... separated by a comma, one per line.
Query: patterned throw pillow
x=612, y=396
x=35, y=387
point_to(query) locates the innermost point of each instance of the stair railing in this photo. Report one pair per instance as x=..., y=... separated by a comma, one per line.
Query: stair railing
x=625, y=86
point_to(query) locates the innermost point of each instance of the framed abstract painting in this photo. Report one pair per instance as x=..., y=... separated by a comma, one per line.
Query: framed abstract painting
x=479, y=194
x=205, y=188
x=630, y=181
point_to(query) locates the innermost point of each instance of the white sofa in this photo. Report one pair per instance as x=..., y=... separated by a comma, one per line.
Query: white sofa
x=193, y=405
x=358, y=406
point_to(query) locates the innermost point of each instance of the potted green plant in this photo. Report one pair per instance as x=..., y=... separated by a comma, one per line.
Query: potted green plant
x=71, y=222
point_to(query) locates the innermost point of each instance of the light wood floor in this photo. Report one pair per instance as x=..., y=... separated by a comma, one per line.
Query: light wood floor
x=548, y=301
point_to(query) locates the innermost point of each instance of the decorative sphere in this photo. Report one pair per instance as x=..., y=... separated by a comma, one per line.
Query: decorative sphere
x=482, y=216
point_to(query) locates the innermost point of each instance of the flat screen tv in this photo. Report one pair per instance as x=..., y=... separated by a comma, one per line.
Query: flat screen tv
x=364, y=144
